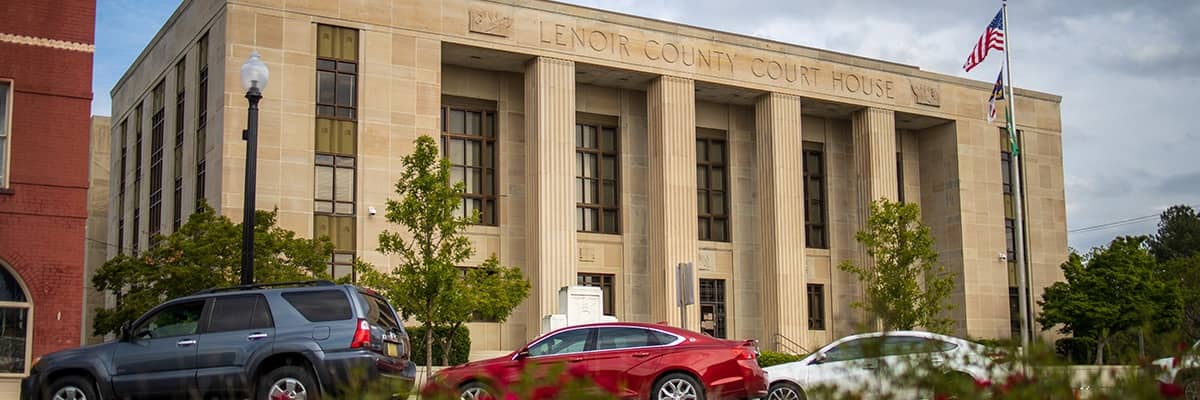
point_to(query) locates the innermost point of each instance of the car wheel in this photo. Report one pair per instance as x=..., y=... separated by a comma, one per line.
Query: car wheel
x=71, y=388
x=785, y=391
x=474, y=391
x=1191, y=385
x=288, y=382
x=677, y=387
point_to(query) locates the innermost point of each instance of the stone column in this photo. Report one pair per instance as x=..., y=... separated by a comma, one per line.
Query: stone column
x=874, y=156
x=671, y=128
x=779, y=147
x=875, y=167
x=550, y=170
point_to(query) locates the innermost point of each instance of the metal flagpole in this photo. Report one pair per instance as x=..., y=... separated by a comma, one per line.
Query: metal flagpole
x=1015, y=168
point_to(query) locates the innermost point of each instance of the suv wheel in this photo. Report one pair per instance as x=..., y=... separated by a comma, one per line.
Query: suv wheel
x=287, y=383
x=71, y=388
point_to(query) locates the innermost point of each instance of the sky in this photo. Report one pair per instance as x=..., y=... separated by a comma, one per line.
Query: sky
x=1128, y=72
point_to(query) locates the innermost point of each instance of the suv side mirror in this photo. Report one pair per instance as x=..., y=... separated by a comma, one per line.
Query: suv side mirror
x=125, y=334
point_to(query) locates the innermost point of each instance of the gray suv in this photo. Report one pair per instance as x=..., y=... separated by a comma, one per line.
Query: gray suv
x=296, y=340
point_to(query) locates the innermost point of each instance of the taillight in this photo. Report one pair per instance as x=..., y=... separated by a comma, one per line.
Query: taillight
x=1175, y=362
x=743, y=353
x=362, y=335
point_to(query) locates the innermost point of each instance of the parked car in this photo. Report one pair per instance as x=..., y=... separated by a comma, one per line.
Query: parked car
x=648, y=361
x=868, y=363
x=1183, y=370
x=298, y=340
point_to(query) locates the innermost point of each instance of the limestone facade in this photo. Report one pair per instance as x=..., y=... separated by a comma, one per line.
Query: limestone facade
x=783, y=145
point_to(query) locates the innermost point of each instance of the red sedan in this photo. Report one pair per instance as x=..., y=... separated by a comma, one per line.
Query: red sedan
x=642, y=361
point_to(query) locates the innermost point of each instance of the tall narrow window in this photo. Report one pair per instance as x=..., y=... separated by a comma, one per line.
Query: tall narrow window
x=201, y=145
x=712, y=188
x=815, y=227
x=900, y=176
x=605, y=283
x=816, y=307
x=156, y=160
x=1010, y=222
x=137, y=178
x=5, y=99
x=712, y=308
x=597, y=178
x=121, y=187
x=469, y=142
x=336, y=143
x=177, y=167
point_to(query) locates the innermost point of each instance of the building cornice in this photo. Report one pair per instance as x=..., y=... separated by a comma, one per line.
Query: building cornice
x=48, y=43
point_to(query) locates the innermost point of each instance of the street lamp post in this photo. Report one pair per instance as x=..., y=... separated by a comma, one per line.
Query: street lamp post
x=254, y=79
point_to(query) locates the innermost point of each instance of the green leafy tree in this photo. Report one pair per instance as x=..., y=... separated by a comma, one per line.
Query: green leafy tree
x=427, y=284
x=906, y=287
x=1176, y=246
x=205, y=252
x=1112, y=289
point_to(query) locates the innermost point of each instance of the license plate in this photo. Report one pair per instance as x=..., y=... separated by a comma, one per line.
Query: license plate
x=393, y=350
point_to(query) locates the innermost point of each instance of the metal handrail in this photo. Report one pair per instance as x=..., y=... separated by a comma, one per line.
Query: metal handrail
x=787, y=343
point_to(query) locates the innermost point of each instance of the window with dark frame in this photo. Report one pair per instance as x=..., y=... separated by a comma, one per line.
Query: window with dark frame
x=1010, y=243
x=469, y=142
x=334, y=187
x=158, y=100
x=712, y=308
x=712, y=187
x=121, y=130
x=899, y=176
x=597, y=178
x=5, y=99
x=177, y=167
x=137, y=178
x=336, y=145
x=201, y=144
x=605, y=283
x=815, y=215
x=816, y=306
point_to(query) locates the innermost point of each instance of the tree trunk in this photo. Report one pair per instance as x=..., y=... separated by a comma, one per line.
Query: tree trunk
x=449, y=342
x=1100, y=350
x=428, y=351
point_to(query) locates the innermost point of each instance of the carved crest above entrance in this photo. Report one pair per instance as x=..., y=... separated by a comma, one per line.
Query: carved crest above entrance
x=927, y=93
x=490, y=22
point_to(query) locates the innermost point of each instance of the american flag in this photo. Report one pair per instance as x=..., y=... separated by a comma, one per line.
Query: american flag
x=992, y=38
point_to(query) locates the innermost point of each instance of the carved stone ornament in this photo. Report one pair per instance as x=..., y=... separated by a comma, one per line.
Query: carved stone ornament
x=926, y=93
x=489, y=22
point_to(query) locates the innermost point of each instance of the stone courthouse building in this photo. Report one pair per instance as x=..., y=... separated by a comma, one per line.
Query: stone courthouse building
x=600, y=148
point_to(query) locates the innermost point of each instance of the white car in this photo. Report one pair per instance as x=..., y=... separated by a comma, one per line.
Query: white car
x=1173, y=371
x=867, y=363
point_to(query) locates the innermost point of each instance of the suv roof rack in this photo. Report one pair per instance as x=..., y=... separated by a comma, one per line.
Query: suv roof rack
x=256, y=286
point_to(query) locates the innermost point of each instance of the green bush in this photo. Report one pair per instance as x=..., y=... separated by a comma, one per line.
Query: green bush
x=459, y=353
x=769, y=358
x=1081, y=350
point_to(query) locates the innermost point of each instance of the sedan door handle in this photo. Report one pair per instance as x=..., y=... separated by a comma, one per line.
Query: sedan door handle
x=186, y=342
x=256, y=336
x=641, y=354
x=576, y=359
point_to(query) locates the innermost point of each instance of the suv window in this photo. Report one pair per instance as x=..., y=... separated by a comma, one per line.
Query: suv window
x=572, y=341
x=855, y=349
x=174, y=320
x=238, y=313
x=379, y=313
x=321, y=305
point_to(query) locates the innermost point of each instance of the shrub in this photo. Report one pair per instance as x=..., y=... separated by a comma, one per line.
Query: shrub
x=769, y=358
x=459, y=353
x=1080, y=350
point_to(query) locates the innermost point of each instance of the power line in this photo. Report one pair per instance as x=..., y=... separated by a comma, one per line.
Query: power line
x=1118, y=223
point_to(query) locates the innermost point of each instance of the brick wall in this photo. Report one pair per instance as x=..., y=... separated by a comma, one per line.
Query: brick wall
x=43, y=212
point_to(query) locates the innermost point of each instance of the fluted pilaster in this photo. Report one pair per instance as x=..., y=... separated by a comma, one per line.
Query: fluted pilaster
x=671, y=107
x=875, y=155
x=550, y=166
x=779, y=147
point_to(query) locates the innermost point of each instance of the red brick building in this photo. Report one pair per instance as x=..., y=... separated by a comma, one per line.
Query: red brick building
x=46, y=53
